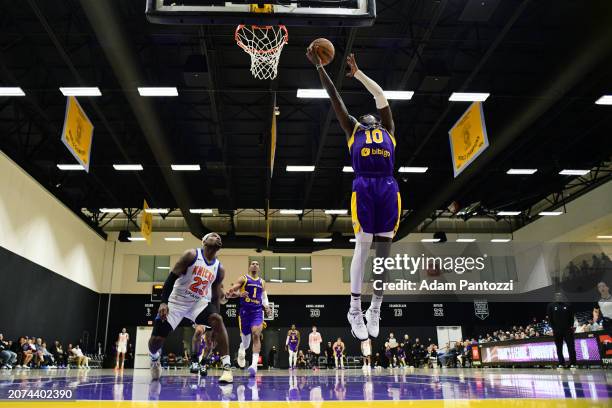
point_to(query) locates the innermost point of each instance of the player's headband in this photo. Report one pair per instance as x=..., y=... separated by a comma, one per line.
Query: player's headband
x=210, y=234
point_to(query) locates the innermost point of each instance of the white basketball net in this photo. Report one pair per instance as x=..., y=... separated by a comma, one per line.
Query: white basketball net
x=264, y=44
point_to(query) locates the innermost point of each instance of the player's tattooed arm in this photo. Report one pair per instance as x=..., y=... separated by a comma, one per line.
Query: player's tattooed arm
x=346, y=121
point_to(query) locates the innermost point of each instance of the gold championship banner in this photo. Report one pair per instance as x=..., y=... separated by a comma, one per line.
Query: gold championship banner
x=146, y=224
x=272, y=142
x=77, y=133
x=468, y=138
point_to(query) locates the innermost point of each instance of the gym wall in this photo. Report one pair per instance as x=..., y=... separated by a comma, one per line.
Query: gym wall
x=38, y=302
x=36, y=226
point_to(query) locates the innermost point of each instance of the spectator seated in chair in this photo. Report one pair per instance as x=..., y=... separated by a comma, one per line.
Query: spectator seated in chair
x=8, y=358
x=81, y=360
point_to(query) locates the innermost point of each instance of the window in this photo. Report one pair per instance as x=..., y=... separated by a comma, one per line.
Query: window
x=153, y=268
x=499, y=269
x=284, y=268
x=368, y=276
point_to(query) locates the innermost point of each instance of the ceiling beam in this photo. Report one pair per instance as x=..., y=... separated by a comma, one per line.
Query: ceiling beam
x=108, y=29
x=582, y=58
x=216, y=121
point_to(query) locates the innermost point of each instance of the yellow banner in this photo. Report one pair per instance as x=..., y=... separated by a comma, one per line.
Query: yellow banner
x=77, y=133
x=146, y=224
x=272, y=142
x=468, y=137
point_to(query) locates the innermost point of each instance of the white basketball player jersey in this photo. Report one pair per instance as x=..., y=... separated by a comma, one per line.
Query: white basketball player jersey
x=196, y=284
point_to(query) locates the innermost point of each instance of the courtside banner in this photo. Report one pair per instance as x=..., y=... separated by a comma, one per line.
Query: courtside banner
x=468, y=138
x=146, y=224
x=77, y=133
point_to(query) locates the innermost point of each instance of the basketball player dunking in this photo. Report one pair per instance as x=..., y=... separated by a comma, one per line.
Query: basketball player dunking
x=253, y=302
x=193, y=290
x=375, y=201
x=292, y=344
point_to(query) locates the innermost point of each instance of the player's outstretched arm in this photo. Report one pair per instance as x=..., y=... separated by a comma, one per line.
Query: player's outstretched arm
x=346, y=122
x=384, y=110
x=232, y=292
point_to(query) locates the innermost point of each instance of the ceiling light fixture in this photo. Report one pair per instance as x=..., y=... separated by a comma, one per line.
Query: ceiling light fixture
x=508, y=213
x=574, y=172
x=81, y=91
x=604, y=100
x=291, y=212
x=468, y=96
x=300, y=168
x=158, y=91
x=521, y=171
x=11, y=91
x=185, y=167
x=201, y=210
x=156, y=210
x=127, y=167
x=111, y=210
x=336, y=212
x=322, y=94
x=70, y=167
x=412, y=169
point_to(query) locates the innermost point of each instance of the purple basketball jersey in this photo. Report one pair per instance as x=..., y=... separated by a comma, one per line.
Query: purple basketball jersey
x=293, y=340
x=375, y=202
x=372, y=151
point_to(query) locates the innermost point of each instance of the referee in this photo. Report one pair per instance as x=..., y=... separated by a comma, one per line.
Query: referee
x=561, y=318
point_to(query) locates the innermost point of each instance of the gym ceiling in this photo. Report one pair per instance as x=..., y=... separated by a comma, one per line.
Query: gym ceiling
x=544, y=64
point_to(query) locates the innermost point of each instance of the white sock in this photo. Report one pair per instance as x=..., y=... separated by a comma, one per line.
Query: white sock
x=254, y=392
x=360, y=256
x=355, y=303
x=376, y=302
x=246, y=341
x=225, y=361
x=255, y=360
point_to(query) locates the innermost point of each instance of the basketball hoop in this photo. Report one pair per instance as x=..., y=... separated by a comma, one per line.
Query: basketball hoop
x=264, y=44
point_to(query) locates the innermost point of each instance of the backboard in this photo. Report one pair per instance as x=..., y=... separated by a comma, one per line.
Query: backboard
x=340, y=13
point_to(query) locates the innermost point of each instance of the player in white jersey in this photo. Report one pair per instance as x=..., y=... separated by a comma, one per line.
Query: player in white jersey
x=122, y=341
x=193, y=290
x=366, y=351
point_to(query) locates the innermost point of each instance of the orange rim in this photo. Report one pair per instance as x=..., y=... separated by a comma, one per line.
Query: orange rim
x=256, y=51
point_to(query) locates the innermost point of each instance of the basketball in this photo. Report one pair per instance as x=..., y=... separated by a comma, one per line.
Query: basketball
x=325, y=51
